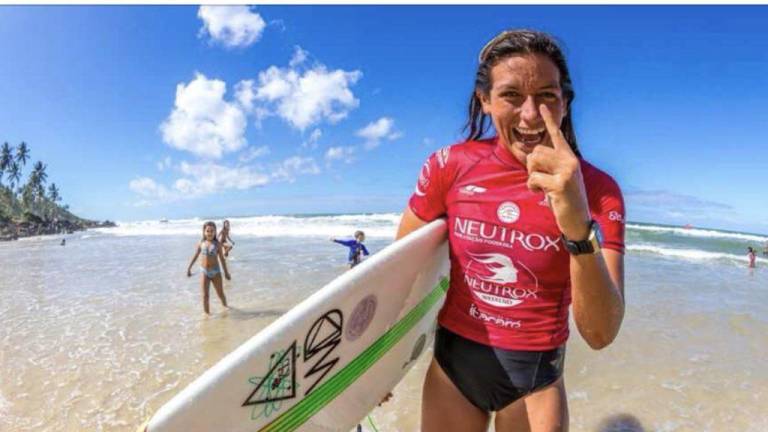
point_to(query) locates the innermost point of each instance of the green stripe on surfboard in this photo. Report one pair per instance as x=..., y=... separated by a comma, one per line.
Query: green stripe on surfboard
x=326, y=392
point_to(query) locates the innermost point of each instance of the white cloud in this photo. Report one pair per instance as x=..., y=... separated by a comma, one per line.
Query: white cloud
x=245, y=94
x=164, y=164
x=290, y=168
x=374, y=133
x=197, y=180
x=208, y=178
x=340, y=153
x=314, y=137
x=252, y=153
x=309, y=97
x=147, y=187
x=299, y=56
x=658, y=199
x=202, y=122
x=316, y=134
x=232, y=26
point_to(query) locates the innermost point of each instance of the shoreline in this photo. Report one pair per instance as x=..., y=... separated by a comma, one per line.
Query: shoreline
x=10, y=231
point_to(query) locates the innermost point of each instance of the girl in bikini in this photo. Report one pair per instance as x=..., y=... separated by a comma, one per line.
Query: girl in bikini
x=226, y=241
x=210, y=248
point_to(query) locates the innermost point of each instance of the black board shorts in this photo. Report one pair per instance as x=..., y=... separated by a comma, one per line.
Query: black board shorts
x=492, y=378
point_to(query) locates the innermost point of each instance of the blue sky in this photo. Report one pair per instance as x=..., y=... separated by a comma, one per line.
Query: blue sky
x=150, y=112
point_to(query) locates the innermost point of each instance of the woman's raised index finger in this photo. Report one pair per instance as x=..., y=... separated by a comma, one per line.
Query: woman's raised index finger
x=553, y=129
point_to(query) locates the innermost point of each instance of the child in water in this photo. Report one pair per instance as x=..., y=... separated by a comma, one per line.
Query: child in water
x=356, y=248
x=210, y=248
x=224, y=236
x=751, y=257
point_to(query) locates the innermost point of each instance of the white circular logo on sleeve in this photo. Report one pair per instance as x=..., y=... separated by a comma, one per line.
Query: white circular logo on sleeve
x=508, y=212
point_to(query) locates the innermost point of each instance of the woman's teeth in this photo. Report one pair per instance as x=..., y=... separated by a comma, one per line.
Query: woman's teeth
x=530, y=136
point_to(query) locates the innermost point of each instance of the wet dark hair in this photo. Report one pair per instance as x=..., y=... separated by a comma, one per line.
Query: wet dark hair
x=749, y=248
x=206, y=225
x=506, y=44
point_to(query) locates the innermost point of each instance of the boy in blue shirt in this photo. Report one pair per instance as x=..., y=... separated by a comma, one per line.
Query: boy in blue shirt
x=356, y=248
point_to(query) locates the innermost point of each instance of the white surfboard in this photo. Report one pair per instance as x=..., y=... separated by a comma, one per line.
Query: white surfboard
x=329, y=361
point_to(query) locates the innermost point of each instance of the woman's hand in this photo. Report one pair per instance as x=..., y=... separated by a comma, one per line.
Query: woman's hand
x=189, y=273
x=556, y=172
x=226, y=275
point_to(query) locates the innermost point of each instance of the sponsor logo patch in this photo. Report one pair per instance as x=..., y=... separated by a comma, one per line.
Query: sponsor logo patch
x=508, y=212
x=496, y=235
x=442, y=156
x=472, y=189
x=423, y=183
x=493, y=278
x=492, y=318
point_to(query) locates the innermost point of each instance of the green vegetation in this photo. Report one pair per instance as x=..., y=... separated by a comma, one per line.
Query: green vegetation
x=32, y=207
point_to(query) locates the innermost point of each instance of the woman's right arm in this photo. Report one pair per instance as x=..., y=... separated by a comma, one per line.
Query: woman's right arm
x=194, y=258
x=409, y=222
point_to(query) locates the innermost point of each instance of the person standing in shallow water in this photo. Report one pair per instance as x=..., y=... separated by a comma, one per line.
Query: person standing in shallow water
x=751, y=256
x=356, y=248
x=526, y=216
x=226, y=241
x=210, y=248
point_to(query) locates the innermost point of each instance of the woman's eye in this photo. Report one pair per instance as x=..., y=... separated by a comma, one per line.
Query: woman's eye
x=549, y=96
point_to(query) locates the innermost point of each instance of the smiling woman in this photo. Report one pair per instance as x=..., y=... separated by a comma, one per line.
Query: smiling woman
x=525, y=213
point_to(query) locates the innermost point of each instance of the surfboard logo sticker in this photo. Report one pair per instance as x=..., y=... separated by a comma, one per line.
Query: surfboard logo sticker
x=323, y=338
x=361, y=317
x=277, y=385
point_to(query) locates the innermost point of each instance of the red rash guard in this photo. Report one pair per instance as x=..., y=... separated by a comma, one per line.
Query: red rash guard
x=510, y=278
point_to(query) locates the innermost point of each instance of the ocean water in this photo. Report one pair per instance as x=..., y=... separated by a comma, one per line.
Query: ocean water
x=98, y=334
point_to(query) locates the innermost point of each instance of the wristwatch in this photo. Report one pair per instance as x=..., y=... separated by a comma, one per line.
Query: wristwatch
x=592, y=244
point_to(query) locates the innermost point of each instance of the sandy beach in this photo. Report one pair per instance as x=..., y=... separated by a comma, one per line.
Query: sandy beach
x=98, y=334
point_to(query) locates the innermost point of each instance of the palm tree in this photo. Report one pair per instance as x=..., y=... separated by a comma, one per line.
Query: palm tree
x=6, y=157
x=37, y=179
x=22, y=153
x=14, y=174
x=53, y=193
x=53, y=197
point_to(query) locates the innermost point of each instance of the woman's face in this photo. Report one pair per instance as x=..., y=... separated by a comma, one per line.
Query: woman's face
x=520, y=84
x=210, y=232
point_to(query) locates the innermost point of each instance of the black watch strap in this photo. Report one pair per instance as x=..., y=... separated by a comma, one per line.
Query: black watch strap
x=587, y=246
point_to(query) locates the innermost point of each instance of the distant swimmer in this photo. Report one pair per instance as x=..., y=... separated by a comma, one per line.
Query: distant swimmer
x=751, y=257
x=210, y=248
x=225, y=239
x=356, y=248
